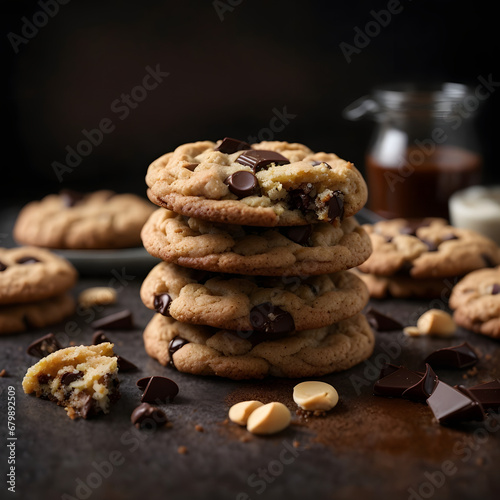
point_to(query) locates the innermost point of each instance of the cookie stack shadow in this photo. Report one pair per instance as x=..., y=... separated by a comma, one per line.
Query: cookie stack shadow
x=249, y=301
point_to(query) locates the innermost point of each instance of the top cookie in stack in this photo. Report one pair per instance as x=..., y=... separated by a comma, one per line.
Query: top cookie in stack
x=267, y=209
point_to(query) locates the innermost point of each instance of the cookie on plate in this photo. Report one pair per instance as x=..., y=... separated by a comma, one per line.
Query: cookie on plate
x=476, y=302
x=428, y=249
x=72, y=220
x=29, y=274
x=299, y=250
x=239, y=302
x=264, y=184
x=83, y=379
x=202, y=350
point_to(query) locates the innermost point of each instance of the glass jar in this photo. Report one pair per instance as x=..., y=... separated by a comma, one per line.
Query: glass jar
x=423, y=149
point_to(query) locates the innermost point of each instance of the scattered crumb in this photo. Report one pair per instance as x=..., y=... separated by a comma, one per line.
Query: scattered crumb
x=472, y=372
x=72, y=342
x=305, y=414
x=296, y=444
x=199, y=428
x=225, y=422
x=182, y=450
x=465, y=376
x=97, y=296
x=3, y=373
x=480, y=461
x=487, y=357
x=169, y=425
x=245, y=439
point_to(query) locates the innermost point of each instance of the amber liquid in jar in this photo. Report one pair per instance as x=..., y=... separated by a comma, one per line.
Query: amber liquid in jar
x=421, y=185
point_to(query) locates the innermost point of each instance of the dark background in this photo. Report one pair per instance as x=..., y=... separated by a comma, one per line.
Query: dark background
x=225, y=78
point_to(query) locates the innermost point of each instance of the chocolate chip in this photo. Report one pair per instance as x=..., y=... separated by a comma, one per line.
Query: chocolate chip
x=69, y=377
x=117, y=321
x=142, y=383
x=495, y=289
x=488, y=394
x=124, y=365
x=174, y=345
x=488, y=262
x=146, y=415
x=336, y=206
x=269, y=318
x=44, y=346
x=299, y=234
x=450, y=405
x=459, y=356
x=70, y=198
x=299, y=198
x=162, y=303
x=257, y=159
x=242, y=184
x=191, y=166
x=3, y=267
x=160, y=389
x=423, y=388
x=381, y=322
x=396, y=383
x=99, y=337
x=43, y=378
x=27, y=260
x=87, y=408
x=230, y=145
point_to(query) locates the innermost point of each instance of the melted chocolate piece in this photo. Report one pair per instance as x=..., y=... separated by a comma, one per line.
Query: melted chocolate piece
x=381, y=322
x=488, y=394
x=118, y=321
x=257, y=159
x=70, y=198
x=230, y=145
x=242, y=184
x=336, y=206
x=450, y=405
x=124, y=365
x=495, y=289
x=160, y=390
x=299, y=234
x=423, y=388
x=300, y=199
x=146, y=415
x=174, y=345
x=396, y=383
x=459, y=356
x=269, y=318
x=44, y=346
x=99, y=337
x=3, y=267
x=27, y=260
x=69, y=377
x=162, y=303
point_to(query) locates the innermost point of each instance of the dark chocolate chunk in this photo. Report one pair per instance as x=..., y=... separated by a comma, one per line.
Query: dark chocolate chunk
x=387, y=369
x=299, y=234
x=3, y=267
x=118, y=321
x=423, y=388
x=242, y=184
x=142, y=383
x=299, y=199
x=44, y=346
x=394, y=384
x=174, y=345
x=70, y=198
x=381, y=322
x=99, y=337
x=405, y=269
x=495, y=289
x=27, y=260
x=124, y=365
x=43, y=378
x=69, y=377
x=162, y=303
x=87, y=409
x=257, y=159
x=146, y=415
x=488, y=261
x=459, y=356
x=269, y=318
x=488, y=394
x=450, y=405
x=230, y=145
x=160, y=390
x=336, y=206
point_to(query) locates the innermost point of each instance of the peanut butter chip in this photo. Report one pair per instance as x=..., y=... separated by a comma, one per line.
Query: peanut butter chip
x=240, y=412
x=314, y=396
x=269, y=419
x=436, y=322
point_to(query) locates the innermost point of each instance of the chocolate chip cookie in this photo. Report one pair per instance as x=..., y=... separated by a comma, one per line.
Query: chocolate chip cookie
x=476, y=301
x=73, y=220
x=264, y=184
x=298, y=250
x=202, y=350
x=29, y=274
x=239, y=302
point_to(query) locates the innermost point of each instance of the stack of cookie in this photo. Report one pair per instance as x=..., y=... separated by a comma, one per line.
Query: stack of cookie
x=423, y=258
x=33, y=289
x=256, y=241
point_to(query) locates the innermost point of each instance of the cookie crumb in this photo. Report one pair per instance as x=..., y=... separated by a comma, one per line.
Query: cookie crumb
x=199, y=428
x=97, y=296
x=3, y=373
x=296, y=444
x=182, y=450
x=245, y=439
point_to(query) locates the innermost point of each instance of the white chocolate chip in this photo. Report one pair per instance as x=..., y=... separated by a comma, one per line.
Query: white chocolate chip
x=240, y=412
x=315, y=396
x=269, y=419
x=97, y=296
x=436, y=322
x=412, y=331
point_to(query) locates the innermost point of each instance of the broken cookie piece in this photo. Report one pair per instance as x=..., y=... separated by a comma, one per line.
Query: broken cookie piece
x=83, y=379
